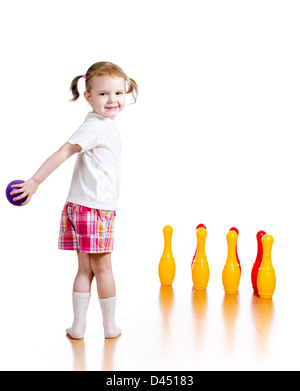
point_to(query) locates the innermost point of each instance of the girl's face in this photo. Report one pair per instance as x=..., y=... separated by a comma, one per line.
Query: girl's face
x=107, y=95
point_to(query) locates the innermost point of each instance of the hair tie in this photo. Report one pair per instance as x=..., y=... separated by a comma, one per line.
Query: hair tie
x=84, y=76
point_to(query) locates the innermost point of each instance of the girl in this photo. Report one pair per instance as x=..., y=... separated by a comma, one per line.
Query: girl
x=88, y=217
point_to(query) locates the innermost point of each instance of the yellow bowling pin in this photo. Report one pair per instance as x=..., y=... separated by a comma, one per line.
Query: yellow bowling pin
x=167, y=267
x=266, y=278
x=200, y=269
x=231, y=273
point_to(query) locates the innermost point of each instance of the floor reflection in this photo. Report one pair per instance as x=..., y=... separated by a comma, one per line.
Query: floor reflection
x=108, y=356
x=78, y=349
x=166, y=300
x=230, y=309
x=263, y=314
x=199, y=308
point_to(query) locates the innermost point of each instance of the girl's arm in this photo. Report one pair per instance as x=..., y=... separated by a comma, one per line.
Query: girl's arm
x=29, y=187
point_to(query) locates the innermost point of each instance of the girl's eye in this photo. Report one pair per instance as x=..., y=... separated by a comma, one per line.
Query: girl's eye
x=119, y=93
x=103, y=94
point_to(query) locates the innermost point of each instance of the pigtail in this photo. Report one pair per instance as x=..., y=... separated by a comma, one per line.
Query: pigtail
x=74, y=88
x=132, y=88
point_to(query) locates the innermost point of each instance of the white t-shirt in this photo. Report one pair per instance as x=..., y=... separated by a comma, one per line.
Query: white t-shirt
x=97, y=173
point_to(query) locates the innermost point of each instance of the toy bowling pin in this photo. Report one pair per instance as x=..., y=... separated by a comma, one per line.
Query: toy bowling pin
x=167, y=267
x=200, y=269
x=266, y=279
x=231, y=273
x=194, y=257
x=237, y=256
x=258, y=260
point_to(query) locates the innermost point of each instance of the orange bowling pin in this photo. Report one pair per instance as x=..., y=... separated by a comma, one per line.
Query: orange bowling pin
x=200, y=269
x=266, y=278
x=237, y=256
x=167, y=267
x=231, y=273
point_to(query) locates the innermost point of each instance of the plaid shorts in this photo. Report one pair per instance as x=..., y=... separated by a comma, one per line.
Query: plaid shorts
x=86, y=230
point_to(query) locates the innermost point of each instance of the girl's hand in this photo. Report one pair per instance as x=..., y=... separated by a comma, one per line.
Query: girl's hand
x=27, y=188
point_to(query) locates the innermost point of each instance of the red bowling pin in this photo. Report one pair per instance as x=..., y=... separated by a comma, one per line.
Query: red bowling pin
x=258, y=260
x=237, y=257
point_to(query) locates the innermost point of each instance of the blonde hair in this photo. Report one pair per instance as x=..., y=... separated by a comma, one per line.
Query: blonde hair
x=104, y=68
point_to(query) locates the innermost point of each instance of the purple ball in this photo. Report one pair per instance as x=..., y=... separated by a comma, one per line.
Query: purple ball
x=10, y=197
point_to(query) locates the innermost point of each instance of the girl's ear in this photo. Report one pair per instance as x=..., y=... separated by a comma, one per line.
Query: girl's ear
x=87, y=96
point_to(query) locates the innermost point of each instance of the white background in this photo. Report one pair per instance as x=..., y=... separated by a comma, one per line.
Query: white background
x=212, y=139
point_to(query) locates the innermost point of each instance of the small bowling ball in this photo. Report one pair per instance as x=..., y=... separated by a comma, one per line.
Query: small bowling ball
x=10, y=197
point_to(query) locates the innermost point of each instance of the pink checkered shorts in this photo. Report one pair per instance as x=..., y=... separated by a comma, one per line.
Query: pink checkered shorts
x=86, y=230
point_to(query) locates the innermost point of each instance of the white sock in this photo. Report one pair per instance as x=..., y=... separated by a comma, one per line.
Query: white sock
x=80, y=306
x=108, y=307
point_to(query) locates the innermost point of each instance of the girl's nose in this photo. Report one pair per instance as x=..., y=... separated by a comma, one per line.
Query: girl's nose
x=112, y=98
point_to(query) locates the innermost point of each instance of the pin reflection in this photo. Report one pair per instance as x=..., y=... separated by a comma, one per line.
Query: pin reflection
x=199, y=305
x=263, y=314
x=230, y=312
x=166, y=301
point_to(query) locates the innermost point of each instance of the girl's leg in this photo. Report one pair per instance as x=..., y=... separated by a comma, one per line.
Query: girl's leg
x=85, y=275
x=81, y=296
x=102, y=269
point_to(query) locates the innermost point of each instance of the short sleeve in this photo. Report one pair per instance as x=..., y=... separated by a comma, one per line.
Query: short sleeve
x=85, y=136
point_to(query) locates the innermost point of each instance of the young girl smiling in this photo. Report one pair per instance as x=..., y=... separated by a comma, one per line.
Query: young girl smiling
x=88, y=217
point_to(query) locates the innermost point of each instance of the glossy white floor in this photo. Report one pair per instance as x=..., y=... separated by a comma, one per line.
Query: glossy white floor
x=163, y=328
